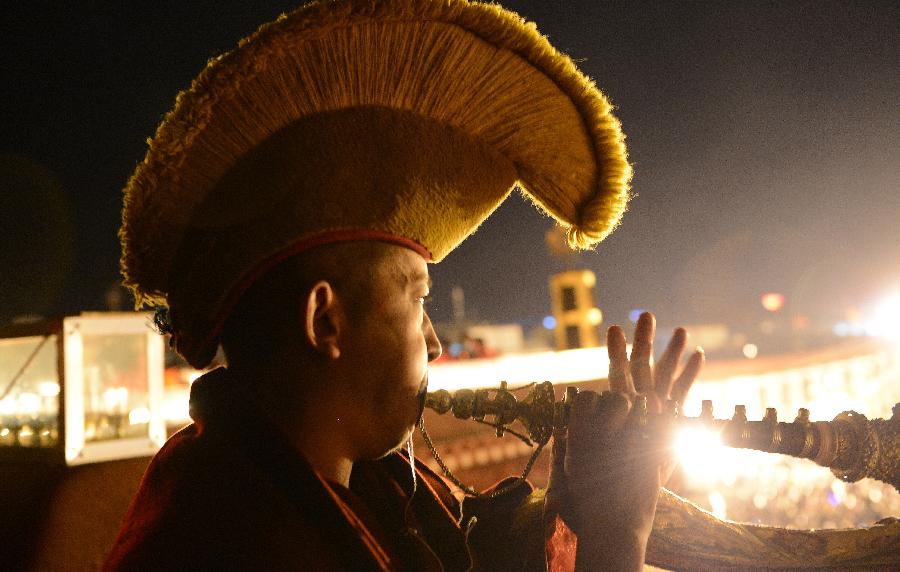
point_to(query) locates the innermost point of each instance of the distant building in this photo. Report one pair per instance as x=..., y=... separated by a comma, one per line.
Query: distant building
x=499, y=338
x=575, y=309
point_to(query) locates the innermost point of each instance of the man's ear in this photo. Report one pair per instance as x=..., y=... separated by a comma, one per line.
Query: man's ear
x=322, y=320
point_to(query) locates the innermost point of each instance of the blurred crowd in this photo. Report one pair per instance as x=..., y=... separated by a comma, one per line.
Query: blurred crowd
x=785, y=492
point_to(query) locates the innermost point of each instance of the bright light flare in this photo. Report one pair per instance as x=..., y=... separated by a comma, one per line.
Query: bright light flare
x=705, y=459
x=697, y=450
x=115, y=398
x=48, y=389
x=139, y=416
x=9, y=406
x=885, y=320
x=29, y=403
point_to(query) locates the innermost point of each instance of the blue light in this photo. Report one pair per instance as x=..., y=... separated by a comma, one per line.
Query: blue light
x=635, y=314
x=549, y=322
x=455, y=349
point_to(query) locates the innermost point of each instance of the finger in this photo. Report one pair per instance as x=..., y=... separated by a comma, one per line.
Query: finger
x=582, y=432
x=611, y=413
x=558, y=459
x=619, y=378
x=612, y=445
x=556, y=499
x=684, y=382
x=641, y=374
x=582, y=412
x=558, y=452
x=664, y=369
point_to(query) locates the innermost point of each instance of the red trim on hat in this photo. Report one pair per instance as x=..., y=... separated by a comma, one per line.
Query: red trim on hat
x=293, y=249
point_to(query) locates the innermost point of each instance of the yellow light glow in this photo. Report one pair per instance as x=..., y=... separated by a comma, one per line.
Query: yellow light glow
x=772, y=301
x=48, y=388
x=885, y=320
x=589, y=278
x=718, y=504
x=750, y=351
x=696, y=449
x=115, y=398
x=595, y=316
x=29, y=403
x=139, y=416
x=705, y=459
x=558, y=367
x=9, y=406
x=175, y=406
x=26, y=434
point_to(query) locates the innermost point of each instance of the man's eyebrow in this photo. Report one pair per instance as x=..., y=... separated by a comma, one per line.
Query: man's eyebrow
x=417, y=276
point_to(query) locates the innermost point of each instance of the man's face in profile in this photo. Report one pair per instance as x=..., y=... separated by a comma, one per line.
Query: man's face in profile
x=388, y=345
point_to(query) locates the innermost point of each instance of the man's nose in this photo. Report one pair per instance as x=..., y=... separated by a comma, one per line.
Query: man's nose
x=432, y=343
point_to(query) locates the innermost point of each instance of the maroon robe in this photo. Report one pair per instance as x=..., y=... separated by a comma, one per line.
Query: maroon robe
x=228, y=493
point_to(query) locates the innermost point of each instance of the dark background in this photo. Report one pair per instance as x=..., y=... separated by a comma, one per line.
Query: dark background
x=765, y=138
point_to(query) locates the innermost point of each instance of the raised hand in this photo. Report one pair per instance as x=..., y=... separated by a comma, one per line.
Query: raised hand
x=605, y=477
x=635, y=376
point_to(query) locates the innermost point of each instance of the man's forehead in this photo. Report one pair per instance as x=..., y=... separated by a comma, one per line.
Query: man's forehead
x=410, y=267
x=421, y=276
x=414, y=274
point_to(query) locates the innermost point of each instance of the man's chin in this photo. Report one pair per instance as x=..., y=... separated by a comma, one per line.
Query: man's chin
x=401, y=443
x=411, y=422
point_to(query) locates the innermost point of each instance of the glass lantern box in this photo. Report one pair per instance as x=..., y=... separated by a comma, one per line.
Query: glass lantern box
x=81, y=389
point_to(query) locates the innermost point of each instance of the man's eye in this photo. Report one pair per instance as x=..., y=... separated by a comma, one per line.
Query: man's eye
x=425, y=300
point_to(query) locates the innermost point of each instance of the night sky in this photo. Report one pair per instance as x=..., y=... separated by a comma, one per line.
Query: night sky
x=765, y=139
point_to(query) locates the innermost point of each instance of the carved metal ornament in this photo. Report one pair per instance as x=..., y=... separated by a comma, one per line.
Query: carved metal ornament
x=687, y=537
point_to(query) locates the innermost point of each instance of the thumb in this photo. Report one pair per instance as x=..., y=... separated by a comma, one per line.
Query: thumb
x=558, y=459
x=556, y=486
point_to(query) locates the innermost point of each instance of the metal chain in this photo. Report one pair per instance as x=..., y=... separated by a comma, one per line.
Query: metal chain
x=469, y=491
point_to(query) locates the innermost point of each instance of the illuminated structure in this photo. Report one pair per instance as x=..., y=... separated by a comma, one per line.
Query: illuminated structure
x=81, y=389
x=80, y=415
x=574, y=306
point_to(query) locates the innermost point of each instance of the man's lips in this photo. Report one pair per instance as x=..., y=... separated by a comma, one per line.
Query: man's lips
x=423, y=392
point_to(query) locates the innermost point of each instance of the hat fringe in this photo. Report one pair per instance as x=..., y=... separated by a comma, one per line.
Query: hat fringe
x=321, y=58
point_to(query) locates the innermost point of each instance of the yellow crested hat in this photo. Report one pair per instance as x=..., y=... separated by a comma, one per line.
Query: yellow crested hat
x=406, y=121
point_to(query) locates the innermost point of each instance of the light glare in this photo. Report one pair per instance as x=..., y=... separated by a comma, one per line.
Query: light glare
x=750, y=351
x=718, y=505
x=885, y=319
x=696, y=448
x=139, y=416
x=9, y=406
x=48, y=389
x=29, y=403
x=772, y=301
